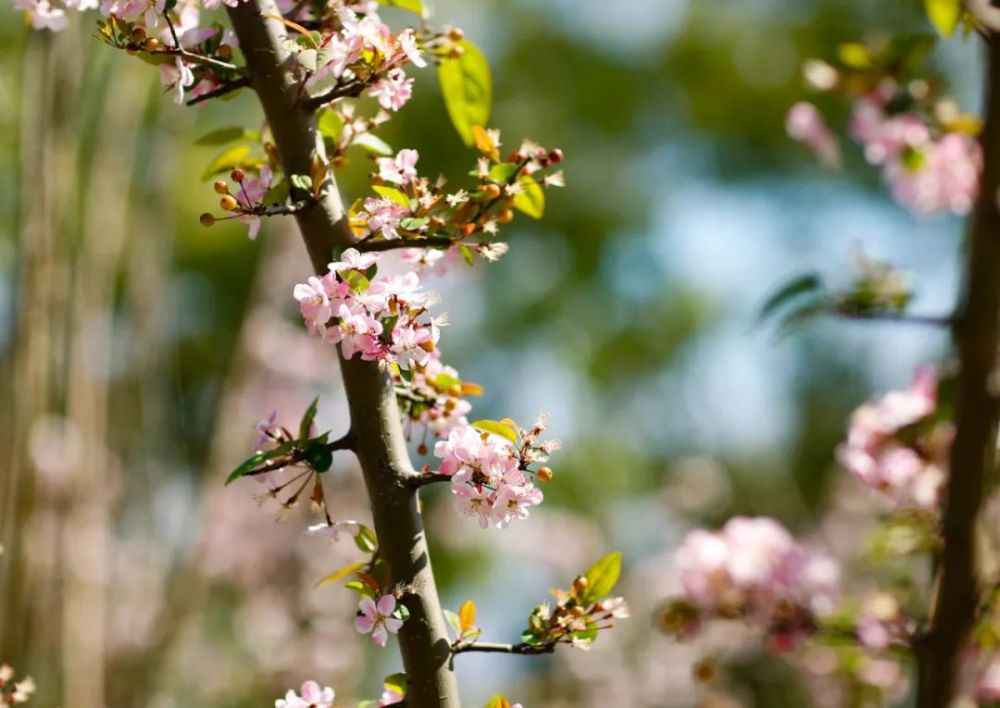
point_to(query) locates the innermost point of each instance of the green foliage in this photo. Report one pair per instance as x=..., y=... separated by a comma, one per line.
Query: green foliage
x=944, y=15
x=602, y=578
x=498, y=428
x=531, y=199
x=467, y=88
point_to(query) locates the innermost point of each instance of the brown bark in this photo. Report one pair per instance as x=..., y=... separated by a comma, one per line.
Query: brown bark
x=375, y=417
x=972, y=456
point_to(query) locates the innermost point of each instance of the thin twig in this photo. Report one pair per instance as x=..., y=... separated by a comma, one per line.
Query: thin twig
x=428, y=242
x=198, y=59
x=492, y=648
x=226, y=88
x=901, y=317
x=348, y=90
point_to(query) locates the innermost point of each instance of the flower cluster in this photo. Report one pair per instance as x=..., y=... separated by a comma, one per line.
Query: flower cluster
x=364, y=52
x=752, y=569
x=14, y=692
x=896, y=445
x=247, y=203
x=926, y=148
x=489, y=464
x=409, y=207
x=382, y=318
x=312, y=696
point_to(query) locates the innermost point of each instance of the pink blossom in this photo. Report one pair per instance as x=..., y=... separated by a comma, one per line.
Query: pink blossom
x=352, y=259
x=393, y=91
x=407, y=344
x=314, y=304
x=313, y=696
x=474, y=500
x=401, y=169
x=264, y=429
x=375, y=619
x=42, y=15
x=944, y=176
x=407, y=41
x=805, y=123
x=907, y=473
x=177, y=76
x=252, y=189
x=356, y=332
x=754, y=567
x=512, y=502
x=384, y=216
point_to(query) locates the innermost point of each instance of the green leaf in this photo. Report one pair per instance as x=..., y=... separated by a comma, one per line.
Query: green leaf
x=329, y=124
x=467, y=89
x=307, y=418
x=412, y=223
x=365, y=539
x=454, y=622
x=498, y=428
x=809, y=284
x=222, y=136
x=319, y=456
x=531, y=199
x=393, y=194
x=227, y=160
x=340, y=573
x=602, y=577
x=303, y=182
x=358, y=282
x=944, y=15
x=247, y=466
x=277, y=193
x=373, y=144
x=466, y=253
x=502, y=172
x=416, y=6
x=395, y=682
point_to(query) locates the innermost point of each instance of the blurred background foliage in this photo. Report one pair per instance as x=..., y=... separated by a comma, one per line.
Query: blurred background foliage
x=138, y=349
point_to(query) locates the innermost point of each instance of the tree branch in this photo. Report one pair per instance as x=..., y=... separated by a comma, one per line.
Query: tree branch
x=972, y=453
x=900, y=317
x=350, y=89
x=375, y=418
x=428, y=242
x=223, y=90
x=492, y=648
x=416, y=481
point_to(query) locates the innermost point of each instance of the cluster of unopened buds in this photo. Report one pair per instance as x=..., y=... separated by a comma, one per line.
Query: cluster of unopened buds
x=490, y=467
x=383, y=318
x=926, y=148
x=753, y=570
x=578, y=614
x=13, y=692
x=432, y=395
x=246, y=203
x=897, y=446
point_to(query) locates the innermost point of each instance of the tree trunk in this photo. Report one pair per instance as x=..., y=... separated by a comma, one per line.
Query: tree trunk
x=375, y=417
x=972, y=455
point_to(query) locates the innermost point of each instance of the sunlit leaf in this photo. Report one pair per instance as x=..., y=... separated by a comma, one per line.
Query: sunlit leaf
x=393, y=194
x=373, y=144
x=602, y=577
x=467, y=89
x=498, y=428
x=944, y=15
x=796, y=288
x=454, y=622
x=531, y=199
x=365, y=539
x=467, y=615
x=307, y=418
x=340, y=573
x=416, y=6
x=498, y=701
x=222, y=136
x=237, y=156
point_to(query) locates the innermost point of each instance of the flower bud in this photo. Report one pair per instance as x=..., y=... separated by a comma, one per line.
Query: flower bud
x=138, y=35
x=237, y=175
x=224, y=52
x=455, y=34
x=505, y=216
x=468, y=228
x=206, y=219
x=427, y=346
x=580, y=585
x=555, y=155
x=456, y=52
x=491, y=191
x=152, y=44
x=221, y=187
x=544, y=474
x=455, y=390
x=422, y=449
x=228, y=203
